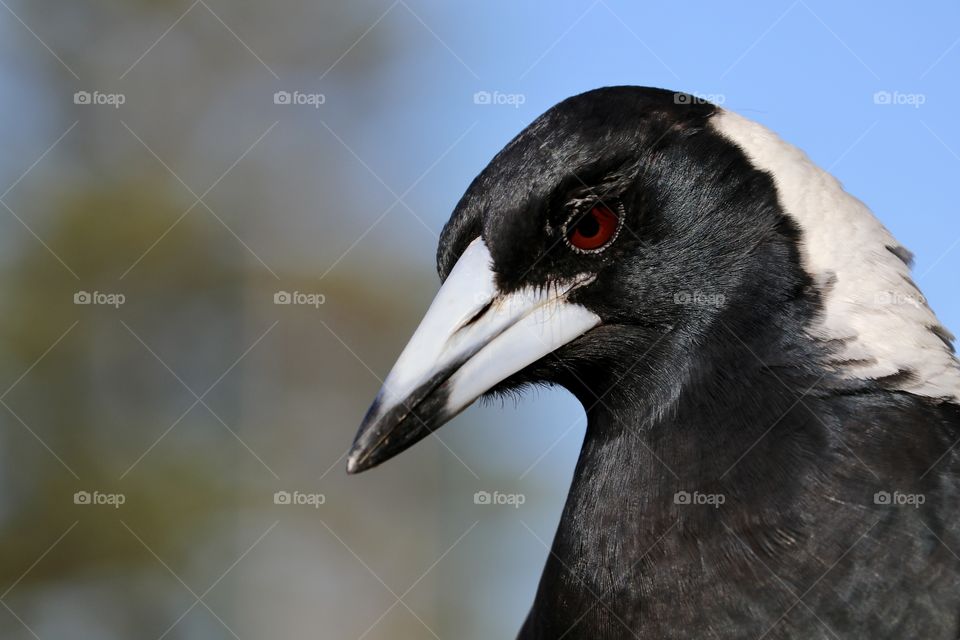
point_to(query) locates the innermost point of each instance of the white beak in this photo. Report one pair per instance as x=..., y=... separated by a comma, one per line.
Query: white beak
x=471, y=338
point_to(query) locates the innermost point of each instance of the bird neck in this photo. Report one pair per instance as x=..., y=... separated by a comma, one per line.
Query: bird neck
x=656, y=480
x=695, y=513
x=743, y=424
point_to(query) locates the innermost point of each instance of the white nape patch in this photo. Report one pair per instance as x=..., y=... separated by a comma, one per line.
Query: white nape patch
x=871, y=304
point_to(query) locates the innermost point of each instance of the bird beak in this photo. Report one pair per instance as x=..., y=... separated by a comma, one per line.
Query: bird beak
x=472, y=337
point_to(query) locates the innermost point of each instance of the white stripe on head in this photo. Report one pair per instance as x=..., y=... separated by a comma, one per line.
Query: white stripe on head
x=870, y=303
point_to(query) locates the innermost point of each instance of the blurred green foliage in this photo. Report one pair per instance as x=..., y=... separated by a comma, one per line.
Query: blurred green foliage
x=107, y=401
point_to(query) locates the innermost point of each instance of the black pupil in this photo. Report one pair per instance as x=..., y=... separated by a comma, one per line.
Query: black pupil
x=588, y=226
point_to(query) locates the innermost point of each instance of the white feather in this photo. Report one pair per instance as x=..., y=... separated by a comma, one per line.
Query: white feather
x=870, y=302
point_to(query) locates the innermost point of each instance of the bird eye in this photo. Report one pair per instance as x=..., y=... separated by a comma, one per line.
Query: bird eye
x=592, y=231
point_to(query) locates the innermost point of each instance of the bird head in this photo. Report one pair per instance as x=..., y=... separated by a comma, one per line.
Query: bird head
x=621, y=225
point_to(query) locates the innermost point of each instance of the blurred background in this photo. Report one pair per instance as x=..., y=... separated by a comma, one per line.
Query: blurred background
x=218, y=229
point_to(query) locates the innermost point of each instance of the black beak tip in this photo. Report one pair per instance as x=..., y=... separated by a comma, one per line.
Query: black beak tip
x=362, y=455
x=357, y=462
x=353, y=466
x=384, y=434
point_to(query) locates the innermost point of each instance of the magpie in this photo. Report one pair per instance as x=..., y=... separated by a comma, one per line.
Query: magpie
x=773, y=410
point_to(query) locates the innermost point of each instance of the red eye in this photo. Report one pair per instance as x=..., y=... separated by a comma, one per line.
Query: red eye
x=594, y=229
